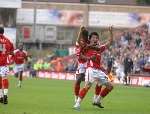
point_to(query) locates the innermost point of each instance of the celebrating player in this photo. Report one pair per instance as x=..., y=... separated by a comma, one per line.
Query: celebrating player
x=6, y=49
x=94, y=72
x=80, y=73
x=82, y=43
x=20, y=58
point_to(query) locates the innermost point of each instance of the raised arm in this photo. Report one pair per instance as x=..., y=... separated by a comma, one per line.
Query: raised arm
x=82, y=28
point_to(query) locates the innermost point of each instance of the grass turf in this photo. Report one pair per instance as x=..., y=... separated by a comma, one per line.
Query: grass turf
x=44, y=96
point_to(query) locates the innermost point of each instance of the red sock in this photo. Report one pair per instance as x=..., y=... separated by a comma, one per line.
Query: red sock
x=105, y=92
x=5, y=83
x=97, y=89
x=83, y=92
x=76, y=89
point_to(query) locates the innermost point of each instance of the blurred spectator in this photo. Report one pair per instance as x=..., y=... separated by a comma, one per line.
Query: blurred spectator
x=46, y=65
x=138, y=40
x=128, y=67
x=136, y=68
x=119, y=70
x=72, y=66
x=33, y=73
x=57, y=64
x=110, y=61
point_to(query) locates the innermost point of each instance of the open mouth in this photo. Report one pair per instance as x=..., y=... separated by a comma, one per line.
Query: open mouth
x=95, y=43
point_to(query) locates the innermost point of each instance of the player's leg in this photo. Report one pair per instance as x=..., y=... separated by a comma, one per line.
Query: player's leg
x=104, y=92
x=16, y=71
x=19, y=72
x=82, y=94
x=95, y=100
x=84, y=90
x=5, y=83
x=103, y=80
x=108, y=88
x=79, y=78
x=1, y=90
x=98, y=88
x=20, y=76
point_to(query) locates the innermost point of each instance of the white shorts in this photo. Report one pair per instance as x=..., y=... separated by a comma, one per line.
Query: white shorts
x=94, y=74
x=4, y=70
x=81, y=68
x=18, y=68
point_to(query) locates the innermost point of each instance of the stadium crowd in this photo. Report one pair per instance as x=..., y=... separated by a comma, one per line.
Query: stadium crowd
x=128, y=54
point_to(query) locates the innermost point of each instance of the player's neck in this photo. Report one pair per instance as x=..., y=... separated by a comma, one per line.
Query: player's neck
x=20, y=49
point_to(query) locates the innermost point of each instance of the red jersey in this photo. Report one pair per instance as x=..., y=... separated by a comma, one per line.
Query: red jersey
x=96, y=63
x=6, y=48
x=79, y=51
x=20, y=56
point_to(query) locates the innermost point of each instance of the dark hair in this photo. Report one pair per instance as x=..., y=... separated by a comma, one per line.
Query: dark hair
x=85, y=35
x=93, y=33
x=1, y=30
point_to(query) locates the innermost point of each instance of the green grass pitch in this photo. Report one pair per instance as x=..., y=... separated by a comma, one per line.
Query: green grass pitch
x=45, y=96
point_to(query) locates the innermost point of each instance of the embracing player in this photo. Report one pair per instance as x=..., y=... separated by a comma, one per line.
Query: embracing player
x=94, y=72
x=81, y=45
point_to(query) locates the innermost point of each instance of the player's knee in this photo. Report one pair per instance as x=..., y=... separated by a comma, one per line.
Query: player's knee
x=88, y=84
x=78, y=80
x=4, y=77
x=98, y=84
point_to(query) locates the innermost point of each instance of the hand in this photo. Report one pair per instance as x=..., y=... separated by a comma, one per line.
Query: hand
x=82, y=28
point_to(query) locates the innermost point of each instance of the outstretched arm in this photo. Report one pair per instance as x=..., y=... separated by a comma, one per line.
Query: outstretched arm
x=80, y=32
